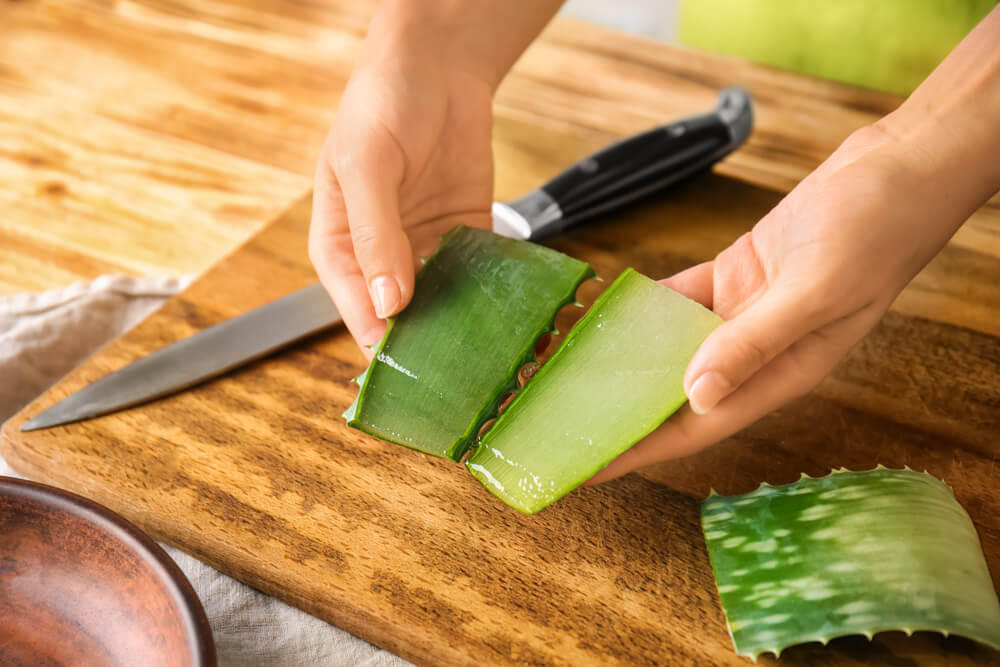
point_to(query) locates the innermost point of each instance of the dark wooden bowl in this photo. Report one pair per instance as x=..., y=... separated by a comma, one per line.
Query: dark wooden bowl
x=81, y=585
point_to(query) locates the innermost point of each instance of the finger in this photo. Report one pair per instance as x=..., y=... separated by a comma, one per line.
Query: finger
x=694, y=283
x=331, y=251
x=680, y=436
x=737, y=349
x=370, y=180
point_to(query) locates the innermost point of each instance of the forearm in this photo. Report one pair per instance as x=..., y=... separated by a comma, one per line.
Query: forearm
x=950, y=126
x=485, y=37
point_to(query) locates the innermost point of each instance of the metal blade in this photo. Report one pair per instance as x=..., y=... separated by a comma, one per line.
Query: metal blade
x=199, y=357
x=228, y=345
x=508, y=222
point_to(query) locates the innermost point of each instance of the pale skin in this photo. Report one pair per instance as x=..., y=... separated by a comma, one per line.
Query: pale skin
x=409, y=157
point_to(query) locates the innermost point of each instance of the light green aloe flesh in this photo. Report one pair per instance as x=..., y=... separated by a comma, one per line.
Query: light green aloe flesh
x=479, y=306
x=849, y=553
x=616, y=377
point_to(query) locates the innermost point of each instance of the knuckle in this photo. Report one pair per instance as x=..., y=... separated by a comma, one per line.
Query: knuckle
x=366, y=241
x=737, y=248
x=728, y=263
x=803, y=374
x=321, y=252
x=752, y=354
x=867, y=136
x=347, y=160
x=328, y=250
x=739, y=277
x=364, y=235
x=360, y=149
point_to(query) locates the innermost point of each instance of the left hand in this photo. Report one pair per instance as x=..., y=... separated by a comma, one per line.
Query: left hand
x=818, y=271
x=802, y=287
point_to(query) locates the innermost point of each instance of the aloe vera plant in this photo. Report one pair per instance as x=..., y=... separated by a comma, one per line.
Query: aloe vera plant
x=849, y=553
x=480, y=304
x=616, y=377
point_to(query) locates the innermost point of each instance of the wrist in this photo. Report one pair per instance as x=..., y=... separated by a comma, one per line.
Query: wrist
x=952, y=116
x=482, y=38
x=948, y=152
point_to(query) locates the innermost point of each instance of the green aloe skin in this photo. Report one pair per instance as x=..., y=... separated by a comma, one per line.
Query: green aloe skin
x=480, y=304
x=849, y=553
x=618, y=375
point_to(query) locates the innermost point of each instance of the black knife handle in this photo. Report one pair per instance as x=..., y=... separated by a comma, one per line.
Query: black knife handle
x=638, y=166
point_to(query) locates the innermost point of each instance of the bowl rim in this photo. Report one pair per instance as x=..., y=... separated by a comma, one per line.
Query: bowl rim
x=198, y=631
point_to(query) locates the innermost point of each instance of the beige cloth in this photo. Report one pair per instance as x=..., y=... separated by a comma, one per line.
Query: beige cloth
x=43, y=337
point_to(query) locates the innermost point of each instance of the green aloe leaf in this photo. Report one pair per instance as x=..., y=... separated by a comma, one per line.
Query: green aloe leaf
x=849, y=553
x=480, y=304
x=615, y=378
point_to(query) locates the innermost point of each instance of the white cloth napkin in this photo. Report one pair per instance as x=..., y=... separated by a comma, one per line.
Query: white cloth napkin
x=43, y=337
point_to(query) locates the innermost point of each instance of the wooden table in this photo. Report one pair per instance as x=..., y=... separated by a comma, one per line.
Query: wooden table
x=154, y=137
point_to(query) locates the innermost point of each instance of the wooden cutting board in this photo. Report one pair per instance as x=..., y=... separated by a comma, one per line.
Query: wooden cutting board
x=257, y=474
x=221, y=107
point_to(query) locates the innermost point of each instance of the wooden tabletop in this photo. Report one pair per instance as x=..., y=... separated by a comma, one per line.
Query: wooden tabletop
x=154, y=137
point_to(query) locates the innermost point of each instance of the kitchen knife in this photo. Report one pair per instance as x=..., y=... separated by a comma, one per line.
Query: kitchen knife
x=613, y=177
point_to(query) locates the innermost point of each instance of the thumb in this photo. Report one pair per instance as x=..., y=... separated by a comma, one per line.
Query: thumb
x=737, y=349
x=370, y=181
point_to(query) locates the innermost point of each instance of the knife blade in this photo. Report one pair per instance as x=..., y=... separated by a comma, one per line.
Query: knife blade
x=613, y=177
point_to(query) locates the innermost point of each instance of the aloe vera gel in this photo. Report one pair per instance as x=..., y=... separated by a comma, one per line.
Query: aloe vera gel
x=479, y=306
x=481, y=303
x=617, y=376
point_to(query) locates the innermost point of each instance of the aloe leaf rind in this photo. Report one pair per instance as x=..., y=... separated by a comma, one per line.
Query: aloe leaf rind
x=616, y=377
x=848, y=553
x=480, y=304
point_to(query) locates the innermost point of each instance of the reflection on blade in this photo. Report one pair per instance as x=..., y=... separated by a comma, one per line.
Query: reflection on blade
x=508, y=222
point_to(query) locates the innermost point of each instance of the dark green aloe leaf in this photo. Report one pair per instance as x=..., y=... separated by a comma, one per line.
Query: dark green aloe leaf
x=849, y=553
x=617, y=376
x=480, y=304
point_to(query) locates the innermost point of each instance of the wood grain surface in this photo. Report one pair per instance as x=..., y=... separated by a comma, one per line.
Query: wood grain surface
x=257, y=474
x=152, y=136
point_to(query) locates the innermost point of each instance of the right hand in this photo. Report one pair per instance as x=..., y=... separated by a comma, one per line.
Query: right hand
x=408, y=158
x=409, y=155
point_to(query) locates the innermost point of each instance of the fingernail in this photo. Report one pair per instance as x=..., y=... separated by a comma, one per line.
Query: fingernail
x=707, y=391
x=385, y=295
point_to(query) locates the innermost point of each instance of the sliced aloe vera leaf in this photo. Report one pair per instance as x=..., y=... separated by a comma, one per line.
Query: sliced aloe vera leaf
x=849, y=553
x=616, y=377
x=480, y=303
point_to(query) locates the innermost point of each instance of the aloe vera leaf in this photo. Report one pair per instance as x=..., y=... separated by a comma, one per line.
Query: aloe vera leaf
x=615, y=378
x=480, y=304
x=849, y=553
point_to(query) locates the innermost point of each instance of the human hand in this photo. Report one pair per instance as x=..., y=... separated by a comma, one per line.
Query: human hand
x=407, y=159
x=409, y=154
x=818, y=271
x=800, y=289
